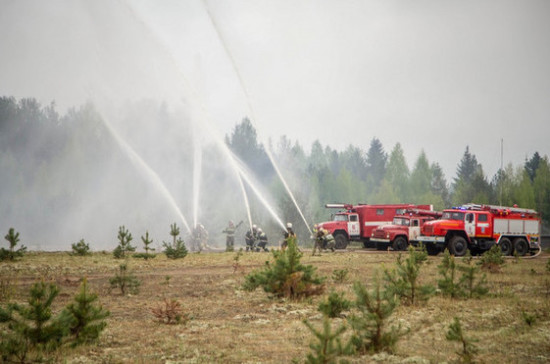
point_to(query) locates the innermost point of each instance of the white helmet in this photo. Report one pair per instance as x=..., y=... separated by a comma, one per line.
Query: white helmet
x=289, y=225
x=254, y=226
x=259, y=230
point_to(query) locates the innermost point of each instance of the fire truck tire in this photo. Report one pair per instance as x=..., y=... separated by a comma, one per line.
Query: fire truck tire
x=506, y=246
x=399, y=243
x=520, y=246
x=341, y=241
x=458, y=246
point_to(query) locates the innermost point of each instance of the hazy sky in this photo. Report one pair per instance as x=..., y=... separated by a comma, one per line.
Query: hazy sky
x=437, y=75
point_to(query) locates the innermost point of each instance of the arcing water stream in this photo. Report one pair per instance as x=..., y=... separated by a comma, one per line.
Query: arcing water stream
x=251, y=110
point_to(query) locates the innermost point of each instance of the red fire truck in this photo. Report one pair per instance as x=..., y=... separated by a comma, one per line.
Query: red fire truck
x=356, y=222
x=404, y=230
x=479, y=227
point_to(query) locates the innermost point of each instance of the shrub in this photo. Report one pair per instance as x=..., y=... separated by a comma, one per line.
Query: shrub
x=146, y=242
x=448, y=285
x=80, y=248
x=286, y=276
x=125, y=281
x=11, y=254
x=177, y=249
x=169, y=312
x=85, y=319
x=468, y=285
x=124, y=237
x=334, y=305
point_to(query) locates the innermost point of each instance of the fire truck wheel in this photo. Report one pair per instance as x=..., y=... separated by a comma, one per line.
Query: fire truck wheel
x=340, y=241
x=521, y=247
x=458, y=246
x=506, y=246
x=399, y=243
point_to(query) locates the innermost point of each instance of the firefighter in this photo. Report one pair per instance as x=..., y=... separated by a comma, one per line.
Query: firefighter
x=262, y=241
x=199, y=238
x=319, y=239
x=250, y=238
x=288, y=235
x=230, y=235
x=329, y=242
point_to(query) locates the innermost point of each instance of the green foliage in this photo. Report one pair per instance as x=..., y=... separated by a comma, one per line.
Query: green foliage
x=286, y=276
x=403, y=280
x=124, y=247
x=169, y=312
x=469, y=349
x=146, y=242
x=177, y=248
x=492, y=260
x=467, y=285
x=340, y=275
x=329, y=346
x=370, y=324
x=548, y=265
x=11, y=254
x=528, y=318
x=80, y=248
x=125, y=281
x=334, y=305
x=84, y=318
x=31, y=329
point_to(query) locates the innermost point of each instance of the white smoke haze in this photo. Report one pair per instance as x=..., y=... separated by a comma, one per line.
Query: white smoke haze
x=431, y=75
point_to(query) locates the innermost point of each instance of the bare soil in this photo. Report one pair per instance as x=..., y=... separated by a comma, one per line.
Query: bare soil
x=229, y=325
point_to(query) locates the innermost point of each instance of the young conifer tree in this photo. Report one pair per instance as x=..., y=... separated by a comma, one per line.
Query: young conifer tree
x=328, y=347
x=177, y=249
x=13, y=238
x=124, y=237
x=86, y=321
x=80, y=248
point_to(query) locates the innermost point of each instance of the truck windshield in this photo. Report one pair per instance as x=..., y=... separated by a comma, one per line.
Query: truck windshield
x=453, y=215
x=400, y=221
x=340, y=218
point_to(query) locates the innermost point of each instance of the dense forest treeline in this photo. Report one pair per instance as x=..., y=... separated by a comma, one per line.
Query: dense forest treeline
x=65, y=177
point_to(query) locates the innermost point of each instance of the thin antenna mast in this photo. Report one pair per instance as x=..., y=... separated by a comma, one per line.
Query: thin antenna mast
x=501, y=166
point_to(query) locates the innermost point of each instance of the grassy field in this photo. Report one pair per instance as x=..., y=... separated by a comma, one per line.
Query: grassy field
x=229, y=325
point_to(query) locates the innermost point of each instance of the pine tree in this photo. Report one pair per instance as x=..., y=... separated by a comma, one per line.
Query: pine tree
x=370, y=324
x=286, y=276
x=125, y=280
x=80, y=248
x=329, y=346
x=31, y=328
x=456, y=333
x=403, y=280
x=124, y=237
x=449, y=284
x=13, y=238
x=85, y=319
x=177, y=249
x=146, y=242
x=334, y=305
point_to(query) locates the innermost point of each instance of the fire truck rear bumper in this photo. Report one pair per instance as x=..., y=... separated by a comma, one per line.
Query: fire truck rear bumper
x=438, y=241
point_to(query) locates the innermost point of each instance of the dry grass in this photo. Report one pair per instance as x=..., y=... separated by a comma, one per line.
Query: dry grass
x=228, y=325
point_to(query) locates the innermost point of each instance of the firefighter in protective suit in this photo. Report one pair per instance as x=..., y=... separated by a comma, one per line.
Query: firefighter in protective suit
x=262, y=241
x=230, y=236
x=288, y=235
x=250, y=238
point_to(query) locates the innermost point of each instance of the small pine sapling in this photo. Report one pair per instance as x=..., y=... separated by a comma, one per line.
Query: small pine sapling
x=124, y=237
x=456, y=333
x=286, y=276
x=329, y=346
x=375, y=307
x=403, y=280
x=340, y=275
x=548, y=265
x=146, y=242
x=449, y=283
x=177, y=248
x=528, y=318
x=11, y=254
x=470, y=284
x=80, y=248
x=492, y=260
x=31, y=328
x=86, y=321
x=125, y=281
x=334, y=305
